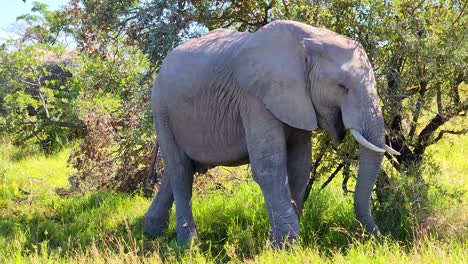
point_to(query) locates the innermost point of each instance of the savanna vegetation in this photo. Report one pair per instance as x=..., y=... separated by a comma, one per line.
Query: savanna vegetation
x=77, y=141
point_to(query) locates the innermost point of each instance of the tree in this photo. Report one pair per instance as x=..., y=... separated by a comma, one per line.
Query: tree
x=155, y=26
x=418, y=50
x=43, y=26
x=111, y=32
x=113, y=104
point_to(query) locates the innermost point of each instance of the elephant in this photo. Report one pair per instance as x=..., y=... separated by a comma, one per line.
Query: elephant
x=229, y=98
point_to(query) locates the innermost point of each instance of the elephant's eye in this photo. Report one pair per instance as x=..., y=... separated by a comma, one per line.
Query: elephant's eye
x=342, y=86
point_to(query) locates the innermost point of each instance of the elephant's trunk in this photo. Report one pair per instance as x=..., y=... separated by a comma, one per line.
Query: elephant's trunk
x=369, y=165
x=369, y=132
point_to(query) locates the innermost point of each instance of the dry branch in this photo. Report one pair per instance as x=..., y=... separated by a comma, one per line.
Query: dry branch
x=332, y=176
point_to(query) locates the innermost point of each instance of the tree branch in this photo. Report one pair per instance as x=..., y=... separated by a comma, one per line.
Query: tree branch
x=433, y=125
x=34, y=133
x=439, y=99
x=392, y=161
x=452, y=132
x=286, y=8
x=462, y=10
x=65, y=124
x=44, y=105
x=332, y=176
x=313, y=171
x=411, y=92
x=346, y=175
x=29, y=83
x=419, y=104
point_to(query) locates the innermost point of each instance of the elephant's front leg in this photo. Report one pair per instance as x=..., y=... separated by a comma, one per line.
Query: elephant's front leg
x=299, y=158
x=268, y=157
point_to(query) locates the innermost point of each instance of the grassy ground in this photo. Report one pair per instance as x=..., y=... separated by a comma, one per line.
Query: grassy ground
x=38, y=226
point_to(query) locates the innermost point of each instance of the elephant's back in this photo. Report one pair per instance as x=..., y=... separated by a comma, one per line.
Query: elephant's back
x=214, y=43
x=195, y=63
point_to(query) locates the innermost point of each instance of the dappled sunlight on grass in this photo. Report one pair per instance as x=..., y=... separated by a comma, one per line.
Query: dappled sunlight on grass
x=27, y=173
x=451, y=156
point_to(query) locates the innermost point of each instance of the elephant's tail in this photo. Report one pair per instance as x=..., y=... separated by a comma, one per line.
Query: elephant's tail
x=152, y=173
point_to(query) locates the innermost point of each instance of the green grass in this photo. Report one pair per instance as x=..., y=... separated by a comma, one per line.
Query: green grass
x=38, y=226
x=451, y=155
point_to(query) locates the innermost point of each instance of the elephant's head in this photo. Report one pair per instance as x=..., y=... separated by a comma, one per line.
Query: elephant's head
x=310, y=78
x=342, y=88
x=343, y=92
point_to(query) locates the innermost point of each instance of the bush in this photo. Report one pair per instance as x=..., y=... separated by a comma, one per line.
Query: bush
x=114, y=106
x=37, y=102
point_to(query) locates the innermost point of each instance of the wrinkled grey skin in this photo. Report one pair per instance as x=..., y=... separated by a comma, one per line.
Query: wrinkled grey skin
x=229, y=98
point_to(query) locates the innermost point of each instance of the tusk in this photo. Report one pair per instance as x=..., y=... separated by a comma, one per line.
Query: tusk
x=391, y=151
x=359, y=138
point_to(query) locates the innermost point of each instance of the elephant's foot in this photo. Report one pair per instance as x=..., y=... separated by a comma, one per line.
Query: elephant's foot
x=285, y=230
x=282, y=241
x=155, y=226
x=157, y=216
x=369, y=224
x=186, y=233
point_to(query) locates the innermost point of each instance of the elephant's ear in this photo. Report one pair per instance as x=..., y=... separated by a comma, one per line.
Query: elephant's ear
x=271, y=65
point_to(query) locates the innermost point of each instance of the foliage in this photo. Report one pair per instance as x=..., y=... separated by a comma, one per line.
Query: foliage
x=422, y=88
x=99, y=96
x=113, y=105
x=420, y=85
x=37, y=104
x=154, y=26
x=43, y=26
x=117, y=148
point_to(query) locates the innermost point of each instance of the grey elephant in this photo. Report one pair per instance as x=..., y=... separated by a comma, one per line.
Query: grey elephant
x=230, y=98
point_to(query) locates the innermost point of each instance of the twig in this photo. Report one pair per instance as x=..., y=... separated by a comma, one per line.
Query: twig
x=286, y=8
x=461, y=13
x=452, y=132
x=313, y=172
x=346, y=175
x=332, y=176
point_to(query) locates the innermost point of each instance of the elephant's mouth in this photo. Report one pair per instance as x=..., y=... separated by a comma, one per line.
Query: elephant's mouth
x=338, y=133
x=332, y=122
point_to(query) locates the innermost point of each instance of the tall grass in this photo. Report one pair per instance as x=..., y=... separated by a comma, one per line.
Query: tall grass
x=38, y=226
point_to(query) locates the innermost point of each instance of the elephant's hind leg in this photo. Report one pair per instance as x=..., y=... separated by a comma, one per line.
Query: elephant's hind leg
x=157, y=217
x=176, y=186
x=180, y=172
